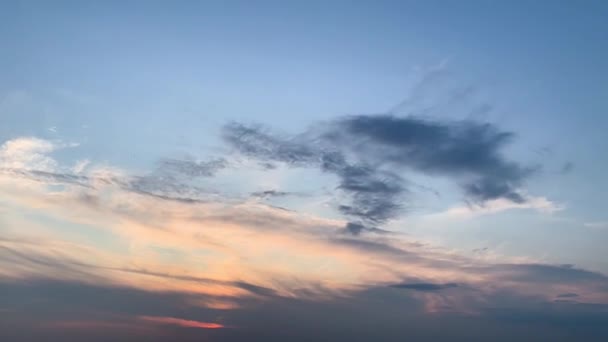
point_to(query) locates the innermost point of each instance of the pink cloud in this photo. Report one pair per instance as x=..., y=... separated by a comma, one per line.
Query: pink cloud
x=180, y=322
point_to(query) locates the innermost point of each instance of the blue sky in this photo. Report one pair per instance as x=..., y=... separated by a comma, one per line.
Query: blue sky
x=148, y=101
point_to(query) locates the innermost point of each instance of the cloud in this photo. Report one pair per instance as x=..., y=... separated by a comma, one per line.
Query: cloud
x=69, y=311
x=372, y=192
x=269, y=194
x=47, y=177
x=80, y=166
x=181, y=322
x=543, y=273
x=370, y=154
x=425, y=286
x=27, y=153
x=540, y=204
x=234, y=266
x=190, y=168
x=253, y=140
x=567, y=295
x=176, y=250
x=468, y=150
x=356, y=229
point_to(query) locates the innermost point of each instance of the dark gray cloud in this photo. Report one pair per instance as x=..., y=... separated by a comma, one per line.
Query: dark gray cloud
x=40, y=309
x=425, y=286
x=466, y=150
x=375, y=196
x=34, y=310
x=567, y=295
x=544, y=273
x=185, y=200
x=378, y=247
x=252, y=140
x=370, y=154
x=269, y=194
x=357, y=228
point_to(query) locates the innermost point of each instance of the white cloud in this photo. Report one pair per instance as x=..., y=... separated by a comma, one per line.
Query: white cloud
x=27, y=153
x=30, y=153
x=80, y=166
x=540, y=204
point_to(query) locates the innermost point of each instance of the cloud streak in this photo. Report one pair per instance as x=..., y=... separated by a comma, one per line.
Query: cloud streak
x=425, y=286
x=186, y=323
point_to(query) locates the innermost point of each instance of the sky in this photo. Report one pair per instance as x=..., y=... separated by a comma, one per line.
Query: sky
x=304, y=170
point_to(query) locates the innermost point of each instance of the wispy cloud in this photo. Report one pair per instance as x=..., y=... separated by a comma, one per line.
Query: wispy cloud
x=425, y=286
x=166, y=235
x=181, y=322
x=540, y=204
